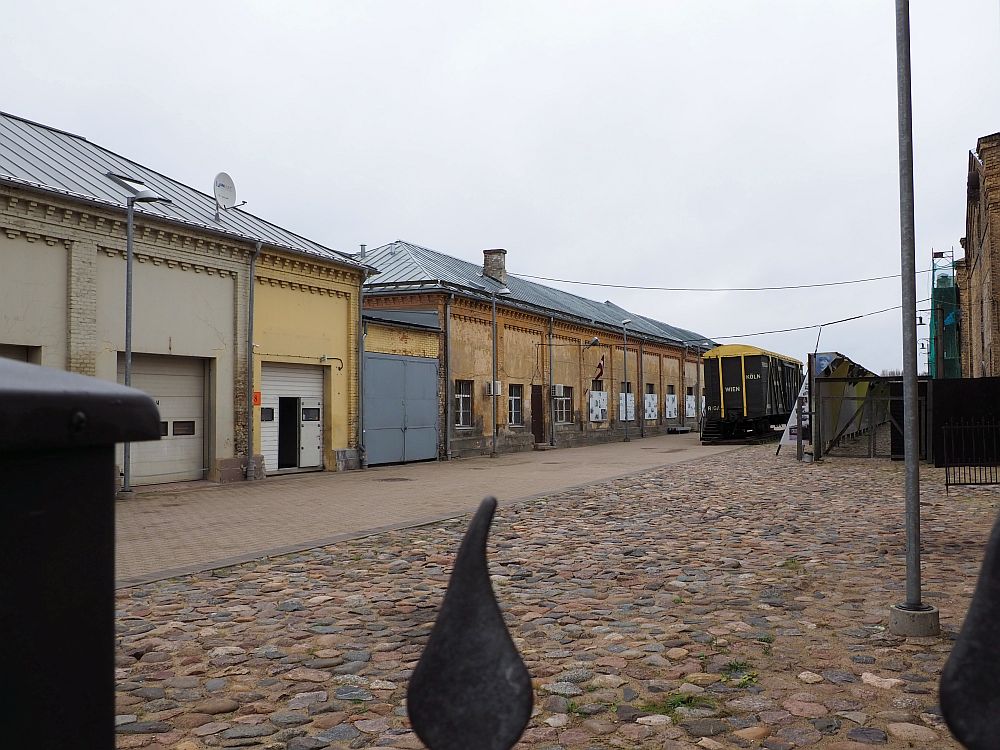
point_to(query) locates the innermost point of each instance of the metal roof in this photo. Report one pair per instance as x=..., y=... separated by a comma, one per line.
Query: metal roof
x=38, y=157
x=404, y=266
x=416, y=318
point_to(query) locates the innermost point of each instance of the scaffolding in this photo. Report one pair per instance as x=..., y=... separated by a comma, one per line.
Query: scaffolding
x=943, y=360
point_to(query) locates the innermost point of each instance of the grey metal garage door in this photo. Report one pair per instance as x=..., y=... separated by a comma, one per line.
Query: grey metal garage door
x=401, y=408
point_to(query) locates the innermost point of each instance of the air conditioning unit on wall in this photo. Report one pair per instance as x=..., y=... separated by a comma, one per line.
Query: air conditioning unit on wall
x=558, y=390
x=493, y=388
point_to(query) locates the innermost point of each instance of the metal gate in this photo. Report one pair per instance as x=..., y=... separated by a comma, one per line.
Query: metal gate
x=400, y=408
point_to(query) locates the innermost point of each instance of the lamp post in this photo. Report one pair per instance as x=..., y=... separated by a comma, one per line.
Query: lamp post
x=142, y=195
x=493, y=389
x=625, y=371
x=913, y=616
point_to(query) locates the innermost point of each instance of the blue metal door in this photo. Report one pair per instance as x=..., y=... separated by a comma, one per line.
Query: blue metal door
x=400, y=408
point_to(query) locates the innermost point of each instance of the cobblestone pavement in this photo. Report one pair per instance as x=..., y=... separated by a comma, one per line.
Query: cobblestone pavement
x=736, y=601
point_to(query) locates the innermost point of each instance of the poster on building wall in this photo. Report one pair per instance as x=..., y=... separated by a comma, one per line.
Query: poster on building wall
x=652, y=405
x=670, y=406
x=598, y=406
x=629, y=410
x=689, y=410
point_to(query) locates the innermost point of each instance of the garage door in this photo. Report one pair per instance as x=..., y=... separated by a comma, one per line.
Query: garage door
x=291, y=416
x=177, y=384
x=401, y=408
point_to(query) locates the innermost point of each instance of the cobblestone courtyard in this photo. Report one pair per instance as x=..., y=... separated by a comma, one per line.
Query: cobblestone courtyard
x=735, y=601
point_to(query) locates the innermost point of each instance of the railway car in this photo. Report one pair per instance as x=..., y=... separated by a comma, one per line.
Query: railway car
x=748, y=391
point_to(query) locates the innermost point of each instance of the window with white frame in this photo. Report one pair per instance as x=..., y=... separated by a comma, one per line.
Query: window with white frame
x=564, y=406
x=515, y=404
x=463, y=403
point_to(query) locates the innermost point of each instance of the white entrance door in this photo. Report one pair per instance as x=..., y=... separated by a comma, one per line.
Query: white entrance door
x=310, y=432
x=177, y=385
x=290, y=437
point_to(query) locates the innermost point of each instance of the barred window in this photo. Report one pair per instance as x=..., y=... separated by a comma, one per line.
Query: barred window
x=463, y=403
x=597, y=385
x=564, y=406
x=515, y=403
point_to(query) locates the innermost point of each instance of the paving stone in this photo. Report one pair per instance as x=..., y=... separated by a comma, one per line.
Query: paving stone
x=623, y=597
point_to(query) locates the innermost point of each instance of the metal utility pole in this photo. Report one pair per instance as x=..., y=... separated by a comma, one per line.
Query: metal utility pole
x=625, y=371
x=493, y=383
x=127, y=448
x=912, y=617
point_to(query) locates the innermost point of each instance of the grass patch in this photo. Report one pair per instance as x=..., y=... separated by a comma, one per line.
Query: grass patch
x=669, y=705
x=792, y=563
x=739, y=673
x=678, y=600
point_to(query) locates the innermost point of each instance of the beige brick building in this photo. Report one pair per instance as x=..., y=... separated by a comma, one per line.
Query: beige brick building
x=978, y=273
x=62, y=303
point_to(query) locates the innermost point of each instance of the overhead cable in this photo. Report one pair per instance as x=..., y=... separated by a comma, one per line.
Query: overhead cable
x=799, y=328
x=714, y=289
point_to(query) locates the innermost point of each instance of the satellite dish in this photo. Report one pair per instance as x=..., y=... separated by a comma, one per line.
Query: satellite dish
x=225, y=190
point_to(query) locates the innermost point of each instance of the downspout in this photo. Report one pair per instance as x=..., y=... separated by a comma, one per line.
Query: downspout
x=642, y=390
x=552, y=401
x=250, y=470
x=698, y=364
x=449, y=399
x=362, y=457
x=682, y=396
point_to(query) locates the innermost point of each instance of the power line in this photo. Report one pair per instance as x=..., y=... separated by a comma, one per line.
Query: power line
x=800, y=328
x=714, y=289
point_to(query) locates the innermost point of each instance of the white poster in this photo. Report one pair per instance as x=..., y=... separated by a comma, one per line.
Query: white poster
x=598, y=406
x=670, y=406
x=689, y=411
x=652, y=405
x=790, y=435
x=630, y=413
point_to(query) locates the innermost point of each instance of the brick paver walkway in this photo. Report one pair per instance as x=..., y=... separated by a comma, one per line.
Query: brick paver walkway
x=735, y=601
x=184, y=529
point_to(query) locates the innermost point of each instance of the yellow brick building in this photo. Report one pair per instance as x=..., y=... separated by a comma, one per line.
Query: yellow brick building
x=554, y=384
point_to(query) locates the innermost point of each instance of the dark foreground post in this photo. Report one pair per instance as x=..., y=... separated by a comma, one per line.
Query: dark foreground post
x=57, y=534
x=470, y=688
x=970, y=681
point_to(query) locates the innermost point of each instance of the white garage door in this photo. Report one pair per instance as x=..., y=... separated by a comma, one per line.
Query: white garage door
x=177, y=384
x=291, y=414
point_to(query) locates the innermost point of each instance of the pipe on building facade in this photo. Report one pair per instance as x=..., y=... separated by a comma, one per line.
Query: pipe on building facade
x=642, y=391
x=449, y=398
x=362, y=457
x=552, y=401
x=250, y=473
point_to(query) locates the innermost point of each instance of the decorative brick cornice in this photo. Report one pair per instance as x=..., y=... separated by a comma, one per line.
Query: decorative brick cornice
x=141, y=256
x=48, y=239
x=302, y=287
x=306, y=267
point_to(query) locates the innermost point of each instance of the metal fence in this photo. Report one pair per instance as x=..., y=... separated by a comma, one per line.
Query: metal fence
x=971, y=453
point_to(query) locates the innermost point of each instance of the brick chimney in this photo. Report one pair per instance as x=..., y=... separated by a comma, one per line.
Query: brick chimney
x=494, y=265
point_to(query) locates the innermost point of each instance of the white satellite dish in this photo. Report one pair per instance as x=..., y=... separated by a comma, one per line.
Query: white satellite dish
x=225, y=190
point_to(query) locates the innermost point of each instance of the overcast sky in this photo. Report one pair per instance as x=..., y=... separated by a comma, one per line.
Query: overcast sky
x=694, y=143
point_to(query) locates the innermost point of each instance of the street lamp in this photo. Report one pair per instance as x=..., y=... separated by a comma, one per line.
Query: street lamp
x=504, y=291
x=625, y=369
x=142, y=194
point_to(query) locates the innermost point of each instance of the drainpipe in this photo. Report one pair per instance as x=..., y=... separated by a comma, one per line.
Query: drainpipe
x=449, y=399
x=682, y=396
x=697, y=387
x=642, y=391
x=362, y=457
x=552, y=401
x=250, y=472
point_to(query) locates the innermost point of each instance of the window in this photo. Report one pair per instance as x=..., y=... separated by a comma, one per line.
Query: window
x=310, y=414
x=626, y=388
x=515, y=401
x=463, y=403
x=564, y=406
x=185, y=427
x=690, y=391
x=597, y=385
x=163, y=429
x=267, y=414
x=650, y=388
x=670, y=390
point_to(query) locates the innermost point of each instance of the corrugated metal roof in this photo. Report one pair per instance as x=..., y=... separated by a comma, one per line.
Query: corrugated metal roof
x=403, y=265
x=417, y=318
x=38, y=157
